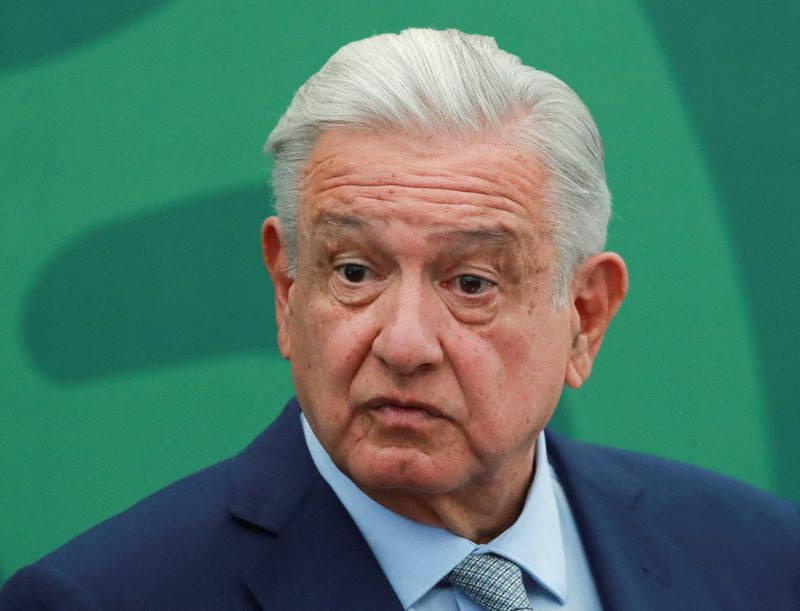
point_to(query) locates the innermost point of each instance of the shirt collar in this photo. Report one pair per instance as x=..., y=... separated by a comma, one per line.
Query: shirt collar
x=415, y=557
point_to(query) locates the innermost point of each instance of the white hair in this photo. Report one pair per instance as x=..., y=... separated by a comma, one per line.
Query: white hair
x=461, y=86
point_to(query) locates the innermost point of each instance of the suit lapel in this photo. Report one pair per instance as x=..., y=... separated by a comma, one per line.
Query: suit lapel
x=634, y=566
x=318, y=558
x=321, y=561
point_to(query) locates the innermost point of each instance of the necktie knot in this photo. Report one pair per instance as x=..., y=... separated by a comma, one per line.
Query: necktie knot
x=491, y=581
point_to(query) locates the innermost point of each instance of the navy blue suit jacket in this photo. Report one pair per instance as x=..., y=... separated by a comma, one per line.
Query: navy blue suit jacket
x=264, y=531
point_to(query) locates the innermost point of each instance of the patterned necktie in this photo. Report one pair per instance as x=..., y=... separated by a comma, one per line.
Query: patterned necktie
x=491, y=581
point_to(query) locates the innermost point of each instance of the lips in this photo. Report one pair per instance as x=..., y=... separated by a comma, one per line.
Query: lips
x=402, y=406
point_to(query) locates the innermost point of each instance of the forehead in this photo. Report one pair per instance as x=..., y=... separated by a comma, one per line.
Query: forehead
x=430, y=182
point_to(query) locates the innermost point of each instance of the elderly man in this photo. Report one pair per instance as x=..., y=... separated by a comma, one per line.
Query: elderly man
x=439, y=276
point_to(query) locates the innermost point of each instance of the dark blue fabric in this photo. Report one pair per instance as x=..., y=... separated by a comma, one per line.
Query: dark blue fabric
x=663, y=535
x=264, y=531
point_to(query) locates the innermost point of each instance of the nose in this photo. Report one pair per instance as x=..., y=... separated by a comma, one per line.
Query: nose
x=408, y=340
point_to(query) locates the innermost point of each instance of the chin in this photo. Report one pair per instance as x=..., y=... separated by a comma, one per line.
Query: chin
x=401, y=469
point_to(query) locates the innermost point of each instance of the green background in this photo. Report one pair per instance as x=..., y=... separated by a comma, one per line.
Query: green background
x=137, y=324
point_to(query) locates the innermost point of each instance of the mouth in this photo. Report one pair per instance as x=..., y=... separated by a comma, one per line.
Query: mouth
x=401, y=411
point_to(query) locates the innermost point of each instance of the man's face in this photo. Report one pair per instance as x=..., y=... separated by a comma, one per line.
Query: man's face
x=425, y=348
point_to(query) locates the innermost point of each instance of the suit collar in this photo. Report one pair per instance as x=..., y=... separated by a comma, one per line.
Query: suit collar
x=318, y=559
x=272, y=476
x=634, y=566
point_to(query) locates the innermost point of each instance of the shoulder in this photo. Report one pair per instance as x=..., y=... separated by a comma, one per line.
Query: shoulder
x=670, y=484
x=156, y=550
x=193, y=540
x=723, y=527
x=169, y=518
x=679, y=489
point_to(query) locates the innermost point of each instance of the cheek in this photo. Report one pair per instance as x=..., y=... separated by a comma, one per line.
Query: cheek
x=538, y=368
x=512, y=376
x=329, y=344
x=507, y=361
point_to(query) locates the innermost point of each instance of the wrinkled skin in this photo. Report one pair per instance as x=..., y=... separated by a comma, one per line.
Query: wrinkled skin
x=426, y=350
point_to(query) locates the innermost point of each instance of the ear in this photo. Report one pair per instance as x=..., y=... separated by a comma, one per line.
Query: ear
x=598, y=288
x=273, y=247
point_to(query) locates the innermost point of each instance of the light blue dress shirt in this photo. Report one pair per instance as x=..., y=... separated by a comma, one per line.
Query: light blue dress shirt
x=544, y=542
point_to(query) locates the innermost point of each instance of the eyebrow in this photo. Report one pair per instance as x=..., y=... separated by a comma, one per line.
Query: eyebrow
x=487, y=237
x=492, y=237
x=334, y=223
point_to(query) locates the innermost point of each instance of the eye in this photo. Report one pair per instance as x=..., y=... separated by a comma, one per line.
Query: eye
x=354, y=272
x=473, y=285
